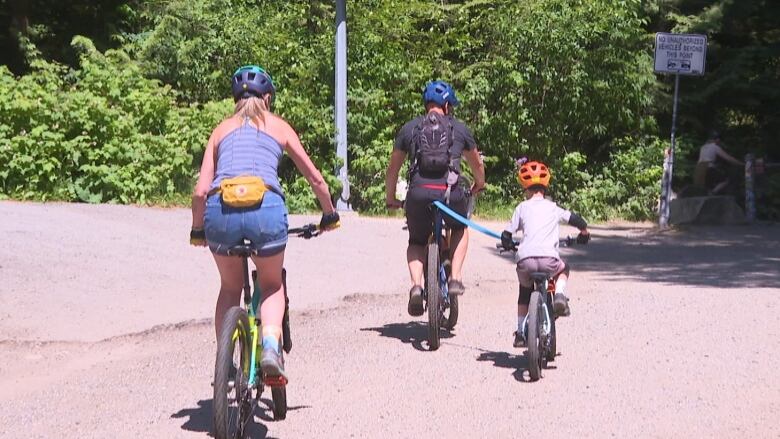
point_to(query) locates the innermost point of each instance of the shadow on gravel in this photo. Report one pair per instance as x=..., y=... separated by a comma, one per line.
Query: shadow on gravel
x=414, y=333
x=508, y=361
x=266, y=412
x=201, y=421
x=725, y=257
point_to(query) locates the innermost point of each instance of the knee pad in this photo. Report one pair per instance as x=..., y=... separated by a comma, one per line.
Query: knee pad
x=525, y=295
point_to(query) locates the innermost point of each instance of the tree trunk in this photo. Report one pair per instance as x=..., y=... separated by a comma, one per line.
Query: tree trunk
x=19, y=17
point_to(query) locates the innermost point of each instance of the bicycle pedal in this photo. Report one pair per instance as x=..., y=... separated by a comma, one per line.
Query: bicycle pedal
x=275, y=381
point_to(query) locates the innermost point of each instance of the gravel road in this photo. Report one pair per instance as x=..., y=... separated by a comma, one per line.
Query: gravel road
x=106, y=332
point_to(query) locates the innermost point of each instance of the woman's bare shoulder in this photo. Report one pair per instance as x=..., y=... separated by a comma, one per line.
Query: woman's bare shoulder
x=278, y=128
x=224, y=127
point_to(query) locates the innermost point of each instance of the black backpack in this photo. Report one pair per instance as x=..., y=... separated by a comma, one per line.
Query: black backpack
x=432, y=143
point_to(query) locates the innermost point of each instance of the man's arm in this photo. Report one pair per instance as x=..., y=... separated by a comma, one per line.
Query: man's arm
x=727, y=157
x=477, y=169
x=397, y=159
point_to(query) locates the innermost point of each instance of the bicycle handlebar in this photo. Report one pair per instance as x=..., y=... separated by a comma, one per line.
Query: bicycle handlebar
x=306, y=232
x=568, y=241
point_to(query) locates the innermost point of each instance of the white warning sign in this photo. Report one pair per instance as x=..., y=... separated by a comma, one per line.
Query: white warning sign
x=680, y=54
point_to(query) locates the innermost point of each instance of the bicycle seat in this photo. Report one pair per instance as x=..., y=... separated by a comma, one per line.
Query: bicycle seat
x=540, y=275
x=243, y=250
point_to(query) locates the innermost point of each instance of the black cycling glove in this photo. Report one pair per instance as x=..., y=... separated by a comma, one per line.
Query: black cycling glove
x=507, y=243
x=197, y=237
x=329, y=221
x=583, y=238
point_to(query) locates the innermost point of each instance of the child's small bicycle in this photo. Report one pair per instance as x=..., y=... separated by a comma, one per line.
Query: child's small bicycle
x=539, y=324
x=237, y=371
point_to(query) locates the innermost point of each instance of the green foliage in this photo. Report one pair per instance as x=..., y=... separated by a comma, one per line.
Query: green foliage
x=540, y=78
x=740, y=93
x=568, y=82
x=627, y=186
x=102, y=133
x=51, y=24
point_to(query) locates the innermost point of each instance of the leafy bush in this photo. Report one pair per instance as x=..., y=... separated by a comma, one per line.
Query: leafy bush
x=102, y=133
x=564, y=81
x=542, y=78
x=628, y=186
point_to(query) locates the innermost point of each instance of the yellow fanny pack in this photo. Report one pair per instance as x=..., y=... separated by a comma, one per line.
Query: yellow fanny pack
x=242, y=191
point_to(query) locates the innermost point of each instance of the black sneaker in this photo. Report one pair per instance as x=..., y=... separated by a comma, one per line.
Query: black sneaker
x=561, y=305
x=519, y=340
x=456, y=288
x=272, y=364
x=416, y=301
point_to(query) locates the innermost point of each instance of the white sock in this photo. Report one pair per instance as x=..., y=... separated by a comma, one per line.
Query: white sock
x=520, y=322
x=560, y=286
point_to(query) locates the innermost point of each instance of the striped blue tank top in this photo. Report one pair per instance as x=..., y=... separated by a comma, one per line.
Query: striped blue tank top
x=248, y=151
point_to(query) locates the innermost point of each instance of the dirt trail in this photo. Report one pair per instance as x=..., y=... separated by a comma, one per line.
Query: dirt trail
x=671, y=334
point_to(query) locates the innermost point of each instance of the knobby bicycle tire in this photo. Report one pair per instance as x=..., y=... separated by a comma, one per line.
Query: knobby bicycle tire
x=279, y=397
x=552, y=349
x=433, y=296
x=229, y=422
x=286, y=338
x=535, y=320
x=452, y=317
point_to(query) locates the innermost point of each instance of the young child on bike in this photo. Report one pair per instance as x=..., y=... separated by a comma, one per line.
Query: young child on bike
x=538, y=218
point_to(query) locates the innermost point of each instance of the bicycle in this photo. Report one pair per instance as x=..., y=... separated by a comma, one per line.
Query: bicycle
x=539, y=327
x=242, y=375
x=437, y=274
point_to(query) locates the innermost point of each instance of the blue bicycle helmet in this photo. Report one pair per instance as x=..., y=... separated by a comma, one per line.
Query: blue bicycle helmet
x=439, y=92
x=252, y=81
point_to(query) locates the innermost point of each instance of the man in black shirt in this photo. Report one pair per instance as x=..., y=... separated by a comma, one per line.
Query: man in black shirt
x=428, y=183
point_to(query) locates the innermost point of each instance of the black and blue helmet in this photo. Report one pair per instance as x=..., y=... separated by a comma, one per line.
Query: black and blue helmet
x=439, y=92
x=251, y=81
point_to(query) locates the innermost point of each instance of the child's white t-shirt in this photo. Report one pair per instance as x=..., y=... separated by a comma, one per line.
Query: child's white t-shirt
x=538, y=218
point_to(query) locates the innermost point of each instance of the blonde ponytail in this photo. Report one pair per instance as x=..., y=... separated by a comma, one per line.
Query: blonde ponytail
x=252, y=108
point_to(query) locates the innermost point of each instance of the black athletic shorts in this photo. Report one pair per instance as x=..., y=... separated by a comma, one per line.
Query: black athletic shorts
x=419, y=216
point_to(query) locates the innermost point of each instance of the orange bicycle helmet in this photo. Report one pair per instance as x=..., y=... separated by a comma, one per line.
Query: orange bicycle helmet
x=532, y=174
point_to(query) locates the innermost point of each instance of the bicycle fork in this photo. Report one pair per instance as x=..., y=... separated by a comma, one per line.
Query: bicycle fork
x=546, y=319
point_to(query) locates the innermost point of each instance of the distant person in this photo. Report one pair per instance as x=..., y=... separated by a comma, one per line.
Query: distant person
x=708, y=174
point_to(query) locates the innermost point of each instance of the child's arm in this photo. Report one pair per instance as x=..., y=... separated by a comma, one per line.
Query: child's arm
x=515, y=224
x=578, y=222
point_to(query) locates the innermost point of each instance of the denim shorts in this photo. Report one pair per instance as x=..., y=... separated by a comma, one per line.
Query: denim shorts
x=265, y=226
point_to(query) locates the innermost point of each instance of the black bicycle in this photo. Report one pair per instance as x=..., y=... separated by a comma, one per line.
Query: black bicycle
x=237, y=372
x=442, y=307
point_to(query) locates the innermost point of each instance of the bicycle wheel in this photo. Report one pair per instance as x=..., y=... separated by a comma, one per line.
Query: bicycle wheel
x=552, y=349
x=286, y=339
x=433, y=296
x=535, y=319
x=451, y=318
x=232, y=396
x=279, y=397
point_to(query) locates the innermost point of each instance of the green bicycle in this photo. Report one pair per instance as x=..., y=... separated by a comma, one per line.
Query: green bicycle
x=237, y=372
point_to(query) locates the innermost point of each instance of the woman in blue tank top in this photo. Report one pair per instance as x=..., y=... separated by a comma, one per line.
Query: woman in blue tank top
x=251, y=143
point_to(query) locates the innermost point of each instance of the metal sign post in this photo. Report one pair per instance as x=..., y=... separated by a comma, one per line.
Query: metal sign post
x=677, y=54
x=666, y=180
x=750, y=196
x=342, y=203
